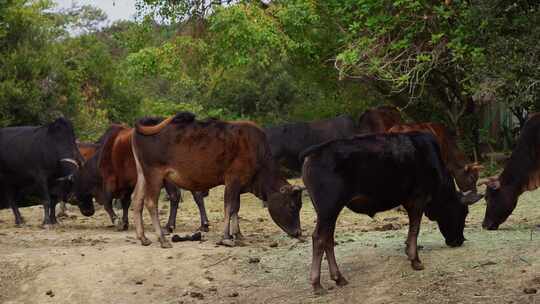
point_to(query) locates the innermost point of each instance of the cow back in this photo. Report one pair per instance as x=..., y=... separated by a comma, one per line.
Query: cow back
x=379, y=120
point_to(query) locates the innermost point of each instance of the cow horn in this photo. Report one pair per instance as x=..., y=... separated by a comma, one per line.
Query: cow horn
x=71, y=161
x=470, y=197
x=68, y=178
x=151, y=130
x=491, y=182
x=298, y=188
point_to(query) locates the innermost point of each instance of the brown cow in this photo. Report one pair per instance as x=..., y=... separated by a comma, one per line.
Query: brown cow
x=112, y=173
x=464, y=172
x=379, y=120
x=199, y=155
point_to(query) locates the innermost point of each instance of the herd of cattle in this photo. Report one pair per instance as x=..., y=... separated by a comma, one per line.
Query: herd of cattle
x=368, y=166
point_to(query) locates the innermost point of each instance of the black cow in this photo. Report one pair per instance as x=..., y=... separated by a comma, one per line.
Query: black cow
x=374, y=173
x=38, y=162
x=287, y=141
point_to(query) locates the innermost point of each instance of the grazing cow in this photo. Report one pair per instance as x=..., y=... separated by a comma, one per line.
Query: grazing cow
x=287, y=141
x=374, y=173
x=87, y=150
x=111, y=173
x=378, y=120
x=464, y=172
x=200, y=155
x=38, y=162
x=521, y=173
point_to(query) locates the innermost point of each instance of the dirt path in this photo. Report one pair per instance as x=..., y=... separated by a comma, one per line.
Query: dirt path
x=86, y=261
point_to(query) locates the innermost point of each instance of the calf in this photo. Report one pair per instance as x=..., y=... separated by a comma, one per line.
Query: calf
x=287, y=141
x=111, y=173
x=374, y=173
x=461, y=168
x=200, y=155
x=38, y=162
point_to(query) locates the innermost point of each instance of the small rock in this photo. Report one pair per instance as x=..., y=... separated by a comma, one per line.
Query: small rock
x=50, y=293
x=254, y=260
x=169, y=258
x=139, y=282
x=233, y=294
x=260, y=220
x=196, y=295
x=209, y=278
x=273, y=244
x=212, y=289
x=530, y=290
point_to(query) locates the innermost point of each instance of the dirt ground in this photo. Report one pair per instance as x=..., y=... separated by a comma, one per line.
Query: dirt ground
x=85, y=260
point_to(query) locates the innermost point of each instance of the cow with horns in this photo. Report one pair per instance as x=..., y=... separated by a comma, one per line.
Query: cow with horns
x=378, y=172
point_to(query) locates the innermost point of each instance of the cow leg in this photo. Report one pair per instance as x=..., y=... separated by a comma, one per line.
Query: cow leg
x=232, y=199
x=198, y=197
x=335, y=274
x=175, y=197
x=63, y=210
x=52, y=214
x=138, y=202
x=47, y=221
x=19, y=220
x=316, y=260
x=151, y=204
x=415, y=218
x=108, y=206
x=123, y=224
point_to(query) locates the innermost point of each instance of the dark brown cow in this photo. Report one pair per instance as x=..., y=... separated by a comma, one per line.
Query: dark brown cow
x=464, y=172
x=521, y=173
x=113, y=174
x=379, y=120
x=200, y=155
x=87, y=150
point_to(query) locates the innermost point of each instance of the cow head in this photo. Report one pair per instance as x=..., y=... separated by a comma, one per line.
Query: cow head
x=501, y=201
x=467, y=176
x=284, y=208
x=450, y=213
x=82, y=188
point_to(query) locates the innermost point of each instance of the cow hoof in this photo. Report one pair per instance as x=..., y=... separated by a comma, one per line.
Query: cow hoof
x=227, y=243
x=169, y=229
x=319, y=290
x=62, y=214
x=238, y=236
x=49, y=226
x=341, y=281
x=166, y=231
x=165, y=244
x=204, y=228
x=417, y=265
x=120, y=225
x=145, y=242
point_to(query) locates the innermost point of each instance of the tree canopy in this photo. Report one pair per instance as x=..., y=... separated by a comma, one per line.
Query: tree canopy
x=270, y=61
